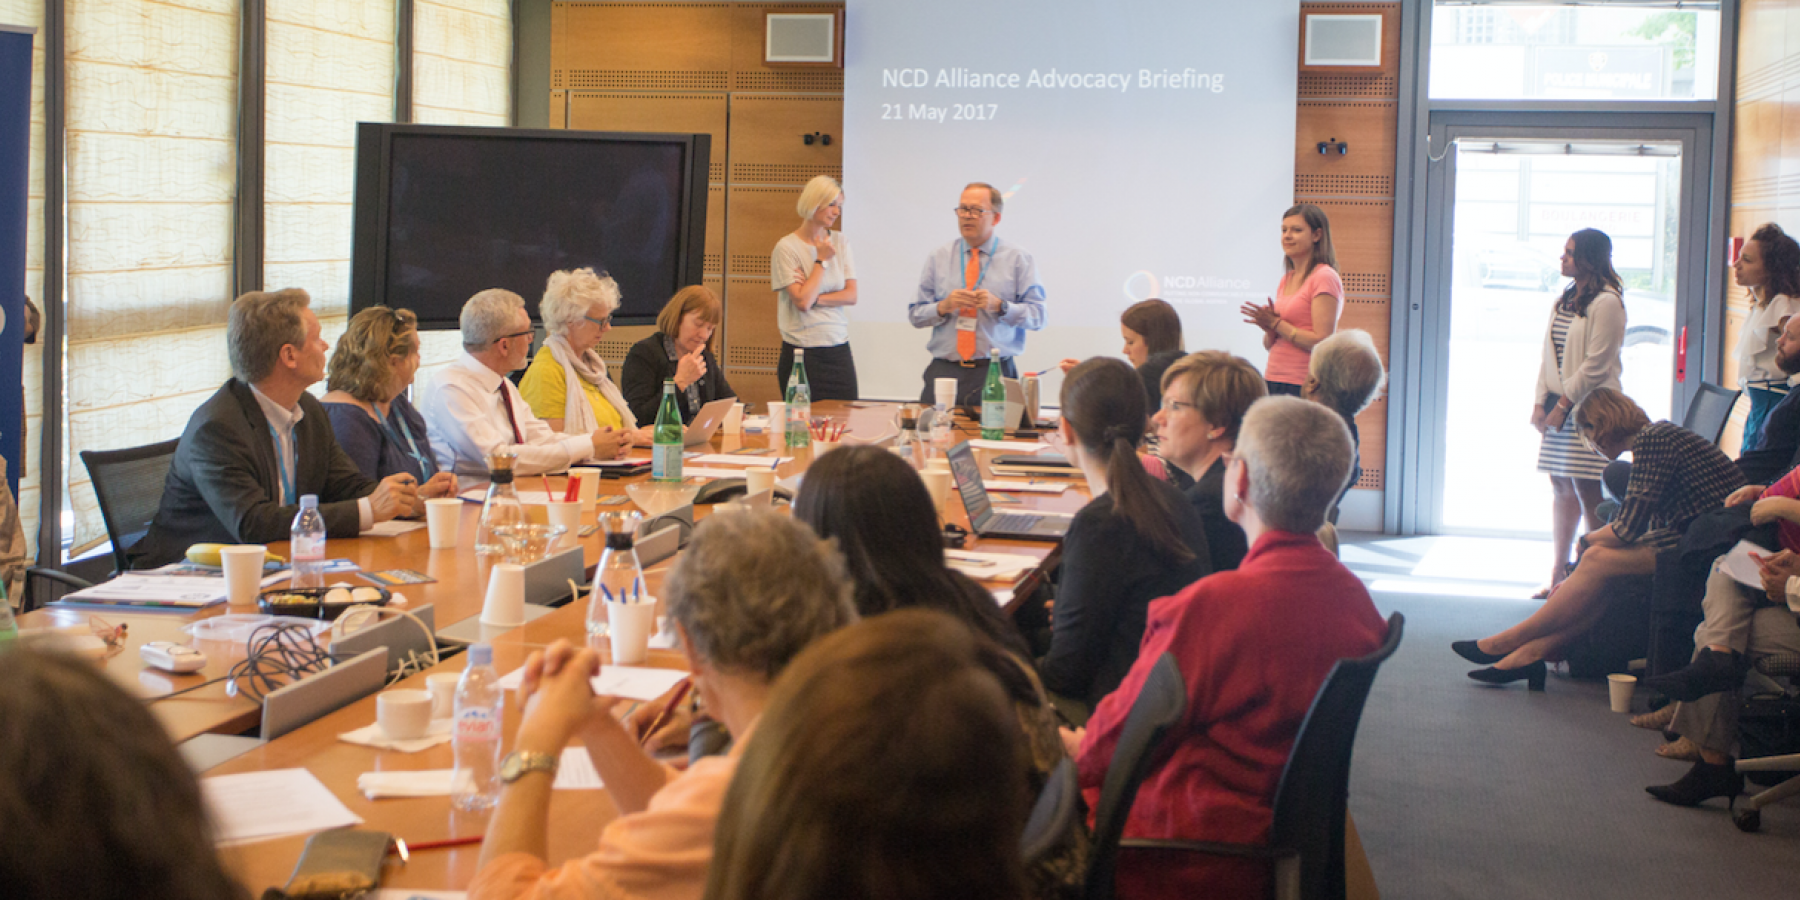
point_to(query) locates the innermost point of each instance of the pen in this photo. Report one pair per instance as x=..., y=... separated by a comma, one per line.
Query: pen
x=681, y=691
x=401, y=848
x=606, y=593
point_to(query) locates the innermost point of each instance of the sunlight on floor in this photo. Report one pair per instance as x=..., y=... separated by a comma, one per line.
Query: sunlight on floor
x=1450, y=566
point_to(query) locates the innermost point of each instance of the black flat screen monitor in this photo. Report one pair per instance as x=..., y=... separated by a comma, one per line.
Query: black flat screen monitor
x=443, y=212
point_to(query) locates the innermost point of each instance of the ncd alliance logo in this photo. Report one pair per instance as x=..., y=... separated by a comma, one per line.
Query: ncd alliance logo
x=1192, y=289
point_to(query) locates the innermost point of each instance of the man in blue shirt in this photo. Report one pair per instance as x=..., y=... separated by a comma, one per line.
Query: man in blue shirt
x=979, y=297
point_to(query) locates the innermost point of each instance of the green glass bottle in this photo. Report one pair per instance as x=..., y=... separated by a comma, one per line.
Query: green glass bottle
x=9, y=628
x=665, y=450
x=993, y=404
x=799, y=404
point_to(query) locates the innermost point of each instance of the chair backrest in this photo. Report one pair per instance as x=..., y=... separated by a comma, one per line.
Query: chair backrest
x=315, y=695
x=1314, y=791
x=129, y=486
x=1052, y=814
x=1158, y=707
x=1710, y=408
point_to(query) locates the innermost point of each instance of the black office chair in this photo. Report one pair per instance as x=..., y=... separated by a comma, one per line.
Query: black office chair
x=1052, y=814
x=1709, y=411
x=129, y=486
x=1306, y=840
x=1158, y=707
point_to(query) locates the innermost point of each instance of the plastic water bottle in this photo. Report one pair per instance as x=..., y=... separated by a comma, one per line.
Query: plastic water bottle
x=308, y=544
x=475, y=733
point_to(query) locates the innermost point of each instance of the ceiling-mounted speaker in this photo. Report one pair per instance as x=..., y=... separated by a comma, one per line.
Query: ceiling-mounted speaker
x=804, y=39
x=1339, y=42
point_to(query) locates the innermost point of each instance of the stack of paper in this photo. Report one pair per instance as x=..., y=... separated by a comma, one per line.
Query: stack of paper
x=990, y=566
x=257, y=806
x=629, y=682
x=149, y=590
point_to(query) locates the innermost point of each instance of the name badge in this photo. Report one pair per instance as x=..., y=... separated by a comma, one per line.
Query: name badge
x=966, y=323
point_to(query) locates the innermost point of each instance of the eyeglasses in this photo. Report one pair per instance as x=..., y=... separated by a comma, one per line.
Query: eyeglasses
x=507, y=337
x=1173, y=406
x=972, y=212
x=603, y=323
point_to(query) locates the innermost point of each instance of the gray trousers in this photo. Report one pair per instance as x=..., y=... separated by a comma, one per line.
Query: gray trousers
x=1711, y=721
x=1728, y=605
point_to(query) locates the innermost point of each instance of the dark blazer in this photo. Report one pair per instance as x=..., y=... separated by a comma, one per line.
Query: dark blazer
x=647, y=366
x=224, y=485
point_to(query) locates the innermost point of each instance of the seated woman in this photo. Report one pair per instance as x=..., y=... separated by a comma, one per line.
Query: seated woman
x=1137, y=540
x=1152, y=332
x=1253, y=646
x=886, y=766
x=98, y=804
x=751, y=592
x=1204, y=398
x=1346, y=375
x=680, y=349
x=1675, y=476
x=366, y=384
x=877, y=511
x=566, y=384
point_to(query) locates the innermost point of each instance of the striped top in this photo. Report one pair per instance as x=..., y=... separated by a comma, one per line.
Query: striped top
x=1559, y=331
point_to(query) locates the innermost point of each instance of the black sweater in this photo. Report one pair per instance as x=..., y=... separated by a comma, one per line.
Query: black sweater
x=647, y=366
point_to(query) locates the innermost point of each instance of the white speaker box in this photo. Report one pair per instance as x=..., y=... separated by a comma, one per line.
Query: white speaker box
x=1346, y=41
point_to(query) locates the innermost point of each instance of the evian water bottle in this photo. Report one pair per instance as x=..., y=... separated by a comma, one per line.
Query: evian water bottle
x=475, y=734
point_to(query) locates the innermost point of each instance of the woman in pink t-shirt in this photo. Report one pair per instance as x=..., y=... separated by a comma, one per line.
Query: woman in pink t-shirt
x=1307, y=303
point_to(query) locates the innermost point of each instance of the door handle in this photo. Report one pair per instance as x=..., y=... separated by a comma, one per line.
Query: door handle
x=1681, y=356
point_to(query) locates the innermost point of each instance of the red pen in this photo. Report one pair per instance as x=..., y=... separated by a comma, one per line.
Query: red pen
x=574, y=489
x=403, y=849
x=547, y=495
x=681, y=691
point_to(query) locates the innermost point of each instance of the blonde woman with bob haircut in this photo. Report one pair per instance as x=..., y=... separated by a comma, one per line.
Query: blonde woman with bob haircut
x=888, y=765
x=566, y=384
x=374, y=422
x=814, y=279
x=1675, y=476
x=680, y=349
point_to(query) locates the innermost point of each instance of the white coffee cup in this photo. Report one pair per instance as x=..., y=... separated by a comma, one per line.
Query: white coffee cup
x=243, y=572
x=568, y=515
x=403, y=715
x=937, y=483
x=758, y=479
x=442, y=687
x=632, y=625
x=777, y=424
x=589, y=492
x=944, y=391
x=1619, y=688
x=443, y=521
x=505, y=604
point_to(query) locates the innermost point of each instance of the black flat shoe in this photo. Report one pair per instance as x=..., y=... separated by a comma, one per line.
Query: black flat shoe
x=1471, y=651
x=1532, y=675
x=1702, y=782
x=1711, y=672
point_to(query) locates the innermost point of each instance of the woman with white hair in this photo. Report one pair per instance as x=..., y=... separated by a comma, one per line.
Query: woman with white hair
x=1345, y=374
x=814, y=278
x=1253, y=645
x=567, y=385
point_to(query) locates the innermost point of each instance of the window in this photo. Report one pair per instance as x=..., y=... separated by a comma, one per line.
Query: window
x=1614, y=51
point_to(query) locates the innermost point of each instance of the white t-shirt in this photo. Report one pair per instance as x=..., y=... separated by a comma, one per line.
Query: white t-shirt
x=821, y=326
x=1756, y=343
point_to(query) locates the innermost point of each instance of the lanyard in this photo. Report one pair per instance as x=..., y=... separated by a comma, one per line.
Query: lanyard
x=287, y=475
x=962, y=259
x=427, y=468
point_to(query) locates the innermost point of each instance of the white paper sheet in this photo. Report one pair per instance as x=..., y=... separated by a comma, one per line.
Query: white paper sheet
x=1009, y=446
x=1025, y=487
x=990, y=566
x=741, y=459
x=1737, y=563
x=162, y=590
x=392, y=528
x=630, y=682
x=703, y=472
x=256, y=806
x=405, y=894
x=576, y=772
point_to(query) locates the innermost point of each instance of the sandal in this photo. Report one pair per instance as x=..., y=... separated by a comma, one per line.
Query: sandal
x=1683, y=749
x=1656, y=720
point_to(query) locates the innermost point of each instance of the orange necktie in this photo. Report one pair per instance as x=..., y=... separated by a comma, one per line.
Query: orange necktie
x=965, y=340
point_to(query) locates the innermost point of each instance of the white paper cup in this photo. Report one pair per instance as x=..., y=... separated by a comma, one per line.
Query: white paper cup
x=777, y=424
x=758, y=479
x=734, y=420
x=590, y=486
x=568, y=515
x=937, y=483
x=403, y=715
x=820, y=448
x=443, y=521
x=944, y=391
x=505, y=604
x=243, y=572
x=442, y=687
x=632, y=625
x=1620, y=688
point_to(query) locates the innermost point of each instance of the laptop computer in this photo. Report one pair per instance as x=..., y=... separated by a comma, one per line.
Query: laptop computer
x=1025, y=526
x=706, y=421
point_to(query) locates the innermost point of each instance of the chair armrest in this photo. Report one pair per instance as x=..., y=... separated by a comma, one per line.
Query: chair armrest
x=57, y=575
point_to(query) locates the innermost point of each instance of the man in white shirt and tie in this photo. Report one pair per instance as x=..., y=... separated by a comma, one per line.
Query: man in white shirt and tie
x=472, y=410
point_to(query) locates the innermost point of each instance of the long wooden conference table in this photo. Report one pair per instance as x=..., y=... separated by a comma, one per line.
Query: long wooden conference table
x=456, y=595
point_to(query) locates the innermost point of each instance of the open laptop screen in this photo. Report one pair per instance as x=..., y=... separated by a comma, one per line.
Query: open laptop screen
x=967, y=473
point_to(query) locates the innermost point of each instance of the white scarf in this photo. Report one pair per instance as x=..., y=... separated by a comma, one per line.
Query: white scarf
x=578, y=414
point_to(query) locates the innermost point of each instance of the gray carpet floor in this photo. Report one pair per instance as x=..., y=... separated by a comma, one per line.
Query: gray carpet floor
x=1463, y=790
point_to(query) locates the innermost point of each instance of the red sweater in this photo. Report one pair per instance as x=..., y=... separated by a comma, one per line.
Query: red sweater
x=1253, y=646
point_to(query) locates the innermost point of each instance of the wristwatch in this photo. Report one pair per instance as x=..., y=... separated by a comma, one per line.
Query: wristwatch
x=517, y=765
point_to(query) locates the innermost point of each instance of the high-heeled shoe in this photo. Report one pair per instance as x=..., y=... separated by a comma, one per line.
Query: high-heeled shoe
x=1532, y=675
x=1701, y=783
x=1471, y=651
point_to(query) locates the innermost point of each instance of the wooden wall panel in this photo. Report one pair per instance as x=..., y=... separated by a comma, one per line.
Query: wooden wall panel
x=766, y=142
x=759, y=217
x=640, y=46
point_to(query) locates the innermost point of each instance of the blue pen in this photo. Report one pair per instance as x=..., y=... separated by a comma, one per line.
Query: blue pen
x=605, y=593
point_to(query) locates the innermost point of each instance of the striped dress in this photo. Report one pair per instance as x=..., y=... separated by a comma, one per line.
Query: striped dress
x=1562, y=453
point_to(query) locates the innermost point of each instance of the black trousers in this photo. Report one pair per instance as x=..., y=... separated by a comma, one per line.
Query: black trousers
x=1282, y=389
x=830, y=371
x=970, y=379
